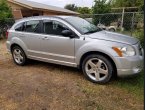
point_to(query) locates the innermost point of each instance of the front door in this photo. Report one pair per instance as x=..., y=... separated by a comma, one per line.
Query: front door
x=55, y=47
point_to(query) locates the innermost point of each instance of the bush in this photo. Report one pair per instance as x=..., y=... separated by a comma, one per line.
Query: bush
x=5, y=11
x=139, y=34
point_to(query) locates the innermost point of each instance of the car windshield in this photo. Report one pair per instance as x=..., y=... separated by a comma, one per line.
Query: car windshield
x=82, y=25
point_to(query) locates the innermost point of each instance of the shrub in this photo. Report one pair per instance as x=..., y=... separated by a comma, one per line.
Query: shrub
x=140, y=35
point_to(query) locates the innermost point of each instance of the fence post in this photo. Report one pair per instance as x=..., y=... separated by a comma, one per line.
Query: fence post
x=122, y=19
x=132, y=24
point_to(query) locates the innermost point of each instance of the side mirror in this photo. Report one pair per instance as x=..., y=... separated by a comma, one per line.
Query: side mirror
x=67, y=33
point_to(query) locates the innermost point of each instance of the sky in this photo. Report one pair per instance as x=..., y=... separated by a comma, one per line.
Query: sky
x=62, y=3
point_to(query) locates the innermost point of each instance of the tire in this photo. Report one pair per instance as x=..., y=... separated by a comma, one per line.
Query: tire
x=19, y=56
x=97, y=69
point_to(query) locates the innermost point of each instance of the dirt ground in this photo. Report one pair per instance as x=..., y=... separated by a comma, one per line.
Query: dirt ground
x=43, y=86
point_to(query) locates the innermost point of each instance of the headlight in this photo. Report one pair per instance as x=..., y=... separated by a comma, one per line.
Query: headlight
x=124, y=51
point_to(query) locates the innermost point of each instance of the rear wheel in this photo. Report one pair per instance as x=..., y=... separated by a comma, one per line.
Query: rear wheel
x=19, y=56
x=97, y=69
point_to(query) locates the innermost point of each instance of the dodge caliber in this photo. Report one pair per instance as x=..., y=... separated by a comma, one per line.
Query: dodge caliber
x=75, y=42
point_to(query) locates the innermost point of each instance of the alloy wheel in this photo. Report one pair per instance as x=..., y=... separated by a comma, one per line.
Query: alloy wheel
x=96, y=69
x=18, y=56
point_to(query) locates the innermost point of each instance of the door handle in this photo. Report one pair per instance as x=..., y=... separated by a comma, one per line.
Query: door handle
x=45, y=38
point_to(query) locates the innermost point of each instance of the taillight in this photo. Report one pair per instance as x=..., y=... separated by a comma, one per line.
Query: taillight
x=7, y=33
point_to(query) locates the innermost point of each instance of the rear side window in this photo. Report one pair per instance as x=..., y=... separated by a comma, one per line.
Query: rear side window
x=19, y=27
x=32, y=26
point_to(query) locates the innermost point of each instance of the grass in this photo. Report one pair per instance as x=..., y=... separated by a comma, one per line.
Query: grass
x=124, y=32
x=119, y=91
x=134, y=85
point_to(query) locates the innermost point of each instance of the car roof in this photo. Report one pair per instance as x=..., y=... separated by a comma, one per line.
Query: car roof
x=42, y=17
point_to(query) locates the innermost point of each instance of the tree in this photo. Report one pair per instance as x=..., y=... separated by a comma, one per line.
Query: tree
x=5, y=11
x=101, y=7
x=71, y=7
x=84, y=10
x=128, y=3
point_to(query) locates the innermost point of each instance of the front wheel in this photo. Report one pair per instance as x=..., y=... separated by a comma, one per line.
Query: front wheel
x=19, y=56
x=97, y=69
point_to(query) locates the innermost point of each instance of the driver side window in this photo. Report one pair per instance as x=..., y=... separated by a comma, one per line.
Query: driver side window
x=54, y=27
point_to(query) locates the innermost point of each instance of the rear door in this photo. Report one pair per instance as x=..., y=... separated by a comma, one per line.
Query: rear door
x=31, y=37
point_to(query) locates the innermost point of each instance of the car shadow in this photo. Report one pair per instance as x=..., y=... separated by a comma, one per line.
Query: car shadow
x=52, y=66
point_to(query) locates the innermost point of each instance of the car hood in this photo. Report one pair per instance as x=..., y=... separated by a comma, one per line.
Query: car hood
x=115, y=37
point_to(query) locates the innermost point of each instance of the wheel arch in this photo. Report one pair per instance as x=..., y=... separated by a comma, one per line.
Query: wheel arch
x=15, y=44
x=19, y=42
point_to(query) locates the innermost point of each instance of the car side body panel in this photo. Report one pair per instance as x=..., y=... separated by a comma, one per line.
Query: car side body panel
x=84, y=46
x=16, y=40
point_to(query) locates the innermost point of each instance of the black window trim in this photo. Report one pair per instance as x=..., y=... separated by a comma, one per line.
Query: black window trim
x=19, y=24
x=56, y=35
x=41, y=27
x=24, y=24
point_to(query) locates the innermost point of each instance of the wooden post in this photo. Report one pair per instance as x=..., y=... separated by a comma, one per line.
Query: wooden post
x=122, y=19
x=132, y=25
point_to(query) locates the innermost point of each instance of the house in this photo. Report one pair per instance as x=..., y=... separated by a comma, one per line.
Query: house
x=25, y=8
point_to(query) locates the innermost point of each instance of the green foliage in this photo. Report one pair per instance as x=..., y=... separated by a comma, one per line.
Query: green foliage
x=71, y=7
x=81, y=10
x=128, y=3
x=84, y=10
x=5, y=11
x=140, y=35
x=134, y=85
x=101, y=7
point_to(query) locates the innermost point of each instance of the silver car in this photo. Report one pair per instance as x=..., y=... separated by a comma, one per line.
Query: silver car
x=75, y=42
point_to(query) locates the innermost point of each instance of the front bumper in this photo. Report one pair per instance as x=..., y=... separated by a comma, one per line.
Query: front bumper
x=127, y=66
